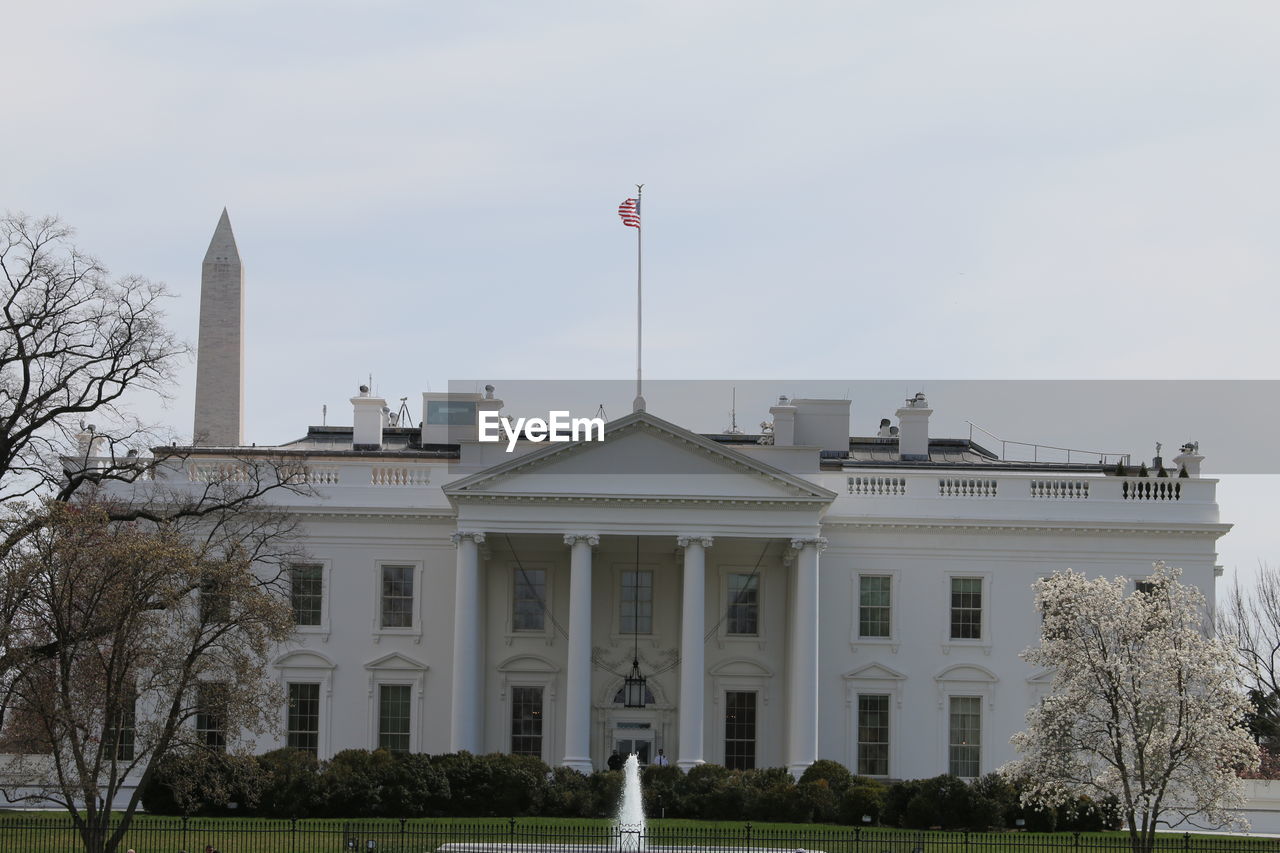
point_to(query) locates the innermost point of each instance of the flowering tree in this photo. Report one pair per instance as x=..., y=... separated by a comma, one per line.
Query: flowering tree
x=1145, y=710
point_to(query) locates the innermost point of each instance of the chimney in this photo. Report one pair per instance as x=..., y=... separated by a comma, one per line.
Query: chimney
x=913, y=433
x=784, y=423
x=1189, y=459
x=366, y=433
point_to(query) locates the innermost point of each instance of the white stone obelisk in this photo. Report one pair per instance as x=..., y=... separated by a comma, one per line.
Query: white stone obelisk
x=219, y=420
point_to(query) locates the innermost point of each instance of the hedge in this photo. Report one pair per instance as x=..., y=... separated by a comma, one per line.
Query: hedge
x=357, y=783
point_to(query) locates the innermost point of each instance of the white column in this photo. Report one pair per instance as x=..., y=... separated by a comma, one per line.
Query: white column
x=577, y=712
x=693, y=615
x=466, y=729
x=802, y=658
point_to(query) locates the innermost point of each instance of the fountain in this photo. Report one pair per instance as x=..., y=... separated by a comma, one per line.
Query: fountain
x=630, y=821
x=630, y=832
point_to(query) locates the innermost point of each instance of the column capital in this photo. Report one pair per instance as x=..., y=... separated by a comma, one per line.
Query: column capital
x=801, y=542
x=704, y=541
x=474, y=535
x=591, y=539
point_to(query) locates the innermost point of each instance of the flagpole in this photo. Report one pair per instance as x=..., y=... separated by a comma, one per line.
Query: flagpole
x=638, y=404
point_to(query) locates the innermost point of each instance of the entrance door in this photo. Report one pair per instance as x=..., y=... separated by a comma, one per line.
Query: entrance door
x=627, y=742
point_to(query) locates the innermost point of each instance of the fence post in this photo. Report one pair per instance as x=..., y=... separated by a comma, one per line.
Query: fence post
x=184, y=832
x=966, y=841
x=1077, y=844
x=402, y=833
x=748, y=837
x=512, y=831
x=293, y=835
x=1186, y=841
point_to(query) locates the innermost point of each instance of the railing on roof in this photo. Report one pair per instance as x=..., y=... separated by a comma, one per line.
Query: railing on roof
x=1100, y=456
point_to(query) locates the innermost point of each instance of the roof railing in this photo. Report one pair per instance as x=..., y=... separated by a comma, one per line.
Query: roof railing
x=1102, y=457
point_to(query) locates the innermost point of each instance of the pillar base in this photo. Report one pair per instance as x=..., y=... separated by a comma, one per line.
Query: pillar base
x=797, y=770
x=686, y=765
x=582, y=765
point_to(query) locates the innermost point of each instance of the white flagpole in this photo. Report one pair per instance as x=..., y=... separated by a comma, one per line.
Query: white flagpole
x=638, y=404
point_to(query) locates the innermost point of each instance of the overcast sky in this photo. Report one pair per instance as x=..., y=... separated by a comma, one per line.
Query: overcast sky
x=911, y=191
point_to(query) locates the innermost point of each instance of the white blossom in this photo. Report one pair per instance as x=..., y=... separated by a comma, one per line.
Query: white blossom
x=1146, y=709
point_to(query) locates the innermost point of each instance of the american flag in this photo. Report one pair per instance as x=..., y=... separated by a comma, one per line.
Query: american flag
x=629, y=210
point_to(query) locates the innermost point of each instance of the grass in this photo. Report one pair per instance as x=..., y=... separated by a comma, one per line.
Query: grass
x=52, y=833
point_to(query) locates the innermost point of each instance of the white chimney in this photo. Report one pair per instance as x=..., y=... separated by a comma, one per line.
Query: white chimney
x=823, y=424
x=913, y=432
x=366, y=433
x=784, y=423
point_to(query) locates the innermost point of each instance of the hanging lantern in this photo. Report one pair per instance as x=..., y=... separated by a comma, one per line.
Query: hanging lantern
x=633, y=687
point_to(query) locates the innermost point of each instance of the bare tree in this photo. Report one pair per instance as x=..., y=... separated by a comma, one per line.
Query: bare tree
x=107, y=549
x=1251, y=619
x=73, y=343
x=147, y=629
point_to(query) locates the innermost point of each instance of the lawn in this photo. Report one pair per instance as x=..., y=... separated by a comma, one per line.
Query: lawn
x=52, y=833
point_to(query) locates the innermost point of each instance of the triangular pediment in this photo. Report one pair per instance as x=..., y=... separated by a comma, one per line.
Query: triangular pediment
x=1043, y=678
x=874, y=672
x=642, y=456
x=395, y=660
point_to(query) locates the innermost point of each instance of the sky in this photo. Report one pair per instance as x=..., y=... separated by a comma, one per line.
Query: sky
x=426, y=192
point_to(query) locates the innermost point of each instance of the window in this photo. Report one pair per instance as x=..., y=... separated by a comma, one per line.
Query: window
x=304, y=717
x=306, y=592
x=873, y=735
x=526, y=721
x=1145, y=587
x=450, y=413
x=393, y=717
x=966, y=608
x=744, y=605
x=215, y=607
x=211, y=705
x=966, y=736
x=635, y=609
x=740, y=730
x=397, y=596
x=873, y=606
x=120, y=737
x=528, y=612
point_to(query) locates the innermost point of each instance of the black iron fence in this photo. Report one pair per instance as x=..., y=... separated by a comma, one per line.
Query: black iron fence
x=57, y=834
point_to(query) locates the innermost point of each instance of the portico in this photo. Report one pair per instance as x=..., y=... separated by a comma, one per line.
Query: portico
x=728, y=555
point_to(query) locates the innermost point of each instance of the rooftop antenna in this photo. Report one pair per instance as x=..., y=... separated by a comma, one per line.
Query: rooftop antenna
x=733, y=415
x=324, y=414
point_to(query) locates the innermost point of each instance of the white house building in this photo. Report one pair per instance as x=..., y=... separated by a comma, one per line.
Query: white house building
x=788, y=596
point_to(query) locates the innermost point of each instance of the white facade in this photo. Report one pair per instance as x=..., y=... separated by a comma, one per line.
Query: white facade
x=437, y=559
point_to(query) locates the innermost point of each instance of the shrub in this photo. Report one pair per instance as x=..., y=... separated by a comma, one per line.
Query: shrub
x=494, y=785
x=291, y=784
x=661, y=787
x=896, y=800
x=606, y=792
x=863, y=797
x=568, y=794
x=697, y=788
x=353, y=782
x=941, y=801
x=415, y=787
x=835, y=774
x=203, y=782
x=815, y=801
